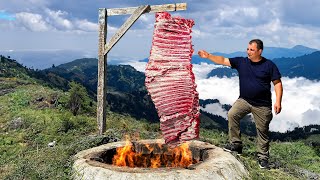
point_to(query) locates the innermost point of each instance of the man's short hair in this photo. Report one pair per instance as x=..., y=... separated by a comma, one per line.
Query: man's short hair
x=258, y=42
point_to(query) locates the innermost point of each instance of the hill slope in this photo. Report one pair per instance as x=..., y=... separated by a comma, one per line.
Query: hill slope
x=32, y=115
x=126, y=92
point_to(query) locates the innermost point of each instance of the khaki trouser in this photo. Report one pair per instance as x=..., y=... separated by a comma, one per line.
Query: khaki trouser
x=262, y=117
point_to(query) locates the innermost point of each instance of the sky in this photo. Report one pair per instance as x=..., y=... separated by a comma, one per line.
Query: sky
x=69, y=28
x=220, y=25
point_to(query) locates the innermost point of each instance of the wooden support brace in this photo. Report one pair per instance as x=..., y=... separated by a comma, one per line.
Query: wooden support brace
x=124, y=28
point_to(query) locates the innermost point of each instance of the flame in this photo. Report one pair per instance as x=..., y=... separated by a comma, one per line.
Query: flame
x=124, y=156
x=185, y=154
x=180, y=156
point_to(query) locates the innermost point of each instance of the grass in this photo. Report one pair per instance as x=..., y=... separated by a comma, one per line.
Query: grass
x=27, y=126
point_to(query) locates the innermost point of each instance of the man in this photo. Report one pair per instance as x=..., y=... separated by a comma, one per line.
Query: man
x=255, y=76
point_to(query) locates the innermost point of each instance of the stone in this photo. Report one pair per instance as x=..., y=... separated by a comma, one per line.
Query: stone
x=216, y=164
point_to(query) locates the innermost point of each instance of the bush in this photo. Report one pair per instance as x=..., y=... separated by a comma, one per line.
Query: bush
x=79, y=101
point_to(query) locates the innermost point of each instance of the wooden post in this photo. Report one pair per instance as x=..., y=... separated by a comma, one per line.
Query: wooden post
x=102, y=73
x=105, y=48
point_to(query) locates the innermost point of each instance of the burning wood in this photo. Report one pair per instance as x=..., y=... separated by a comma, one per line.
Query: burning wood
x=153, y=156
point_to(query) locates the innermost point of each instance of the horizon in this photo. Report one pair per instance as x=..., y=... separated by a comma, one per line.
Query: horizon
x=36, y=59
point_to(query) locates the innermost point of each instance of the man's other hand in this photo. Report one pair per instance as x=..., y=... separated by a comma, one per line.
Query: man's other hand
x=277, y=108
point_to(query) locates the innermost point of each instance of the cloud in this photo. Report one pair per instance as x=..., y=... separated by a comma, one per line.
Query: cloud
x=139, y=66
x=32, y=22
x=217, y=109
x=300, y=103
x=224, y=89
x=85, y=25
x=310, y=117
x=50, y=21
x=309, y=8
x=201, y=70
x=58, y=19
x=219, y=26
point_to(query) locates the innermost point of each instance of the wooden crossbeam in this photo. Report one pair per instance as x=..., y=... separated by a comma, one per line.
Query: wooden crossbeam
x=153, y=9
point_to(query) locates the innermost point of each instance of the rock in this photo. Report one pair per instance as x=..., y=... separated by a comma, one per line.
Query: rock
x=52, y=144
x=16, y=123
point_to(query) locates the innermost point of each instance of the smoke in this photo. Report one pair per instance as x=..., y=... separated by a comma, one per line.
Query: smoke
x=300, y=101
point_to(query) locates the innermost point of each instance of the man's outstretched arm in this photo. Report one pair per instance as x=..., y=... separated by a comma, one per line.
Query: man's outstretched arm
x=279, y=91
x=217, y=59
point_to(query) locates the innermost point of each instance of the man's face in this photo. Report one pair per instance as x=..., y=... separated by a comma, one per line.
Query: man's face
x=253, y=52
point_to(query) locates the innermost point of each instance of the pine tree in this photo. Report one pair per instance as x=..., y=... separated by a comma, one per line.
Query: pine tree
x=79, y=100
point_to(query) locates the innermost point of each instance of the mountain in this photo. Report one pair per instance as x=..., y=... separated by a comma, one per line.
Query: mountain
x=43, y=59
x=11, y=68
x=276, y=52
x=307, y=66
x=303, y=66
x=126, y=92
x=268, y=52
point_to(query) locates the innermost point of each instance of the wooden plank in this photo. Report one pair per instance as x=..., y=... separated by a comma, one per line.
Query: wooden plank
x=153, y=9
x=125, y=27
x=102, y=70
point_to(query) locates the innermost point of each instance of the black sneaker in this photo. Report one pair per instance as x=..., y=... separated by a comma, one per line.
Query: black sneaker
x=263, y=164
x=233, y=148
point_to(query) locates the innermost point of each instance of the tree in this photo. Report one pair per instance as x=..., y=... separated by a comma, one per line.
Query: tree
x=79, y=99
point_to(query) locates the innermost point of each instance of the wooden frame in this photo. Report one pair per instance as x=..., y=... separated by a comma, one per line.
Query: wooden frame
x=105, y=47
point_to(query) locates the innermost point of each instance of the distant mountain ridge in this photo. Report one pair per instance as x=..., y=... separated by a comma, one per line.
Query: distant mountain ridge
x=307, y=66
x=42, y=59
x=268, y=52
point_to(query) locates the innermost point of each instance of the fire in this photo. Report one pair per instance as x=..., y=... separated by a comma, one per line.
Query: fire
x=124, y=156
x=180, y=156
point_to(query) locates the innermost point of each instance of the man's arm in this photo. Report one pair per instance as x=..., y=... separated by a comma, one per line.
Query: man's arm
x=279, y=91
x=217, y=59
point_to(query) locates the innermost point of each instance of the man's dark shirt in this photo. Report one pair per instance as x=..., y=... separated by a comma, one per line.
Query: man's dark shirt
x=255, y=79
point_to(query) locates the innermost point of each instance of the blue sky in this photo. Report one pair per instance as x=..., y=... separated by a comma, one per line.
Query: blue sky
x=6, y=16
x=220, y=25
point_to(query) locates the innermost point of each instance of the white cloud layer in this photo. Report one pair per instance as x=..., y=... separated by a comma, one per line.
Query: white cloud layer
x=300, y=102
x=217, y=109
